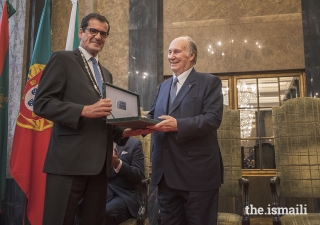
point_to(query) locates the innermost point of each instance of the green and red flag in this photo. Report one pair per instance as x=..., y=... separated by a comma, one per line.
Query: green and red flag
x=32, y=133
x=7, y=11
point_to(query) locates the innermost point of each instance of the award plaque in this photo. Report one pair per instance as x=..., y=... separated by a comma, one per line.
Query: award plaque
x=125, y=108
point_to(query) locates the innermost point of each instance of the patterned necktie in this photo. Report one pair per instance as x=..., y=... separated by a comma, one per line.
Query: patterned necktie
x=110, y=194
x=97, y=73
x=173, y=91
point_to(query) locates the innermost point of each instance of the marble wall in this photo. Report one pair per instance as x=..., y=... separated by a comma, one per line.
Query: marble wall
x=238, y=35
x=231, y=35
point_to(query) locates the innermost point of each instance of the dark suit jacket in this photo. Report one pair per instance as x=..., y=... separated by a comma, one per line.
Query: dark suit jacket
x=125, y=183
x=190, y=158
x=78, y=145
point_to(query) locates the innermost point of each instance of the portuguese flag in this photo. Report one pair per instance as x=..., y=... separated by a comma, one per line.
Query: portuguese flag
x=32, y=133
x=7, y=11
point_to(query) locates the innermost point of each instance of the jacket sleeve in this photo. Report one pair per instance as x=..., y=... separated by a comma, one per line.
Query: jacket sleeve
x=48, y=102
x=134, y=172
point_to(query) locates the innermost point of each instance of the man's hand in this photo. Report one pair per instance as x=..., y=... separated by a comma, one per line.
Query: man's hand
x=115, y=159
x=101, y=108
x=168, y=124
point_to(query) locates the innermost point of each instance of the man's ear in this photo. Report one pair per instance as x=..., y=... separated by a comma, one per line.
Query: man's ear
x=80, y=33
x=192, y=55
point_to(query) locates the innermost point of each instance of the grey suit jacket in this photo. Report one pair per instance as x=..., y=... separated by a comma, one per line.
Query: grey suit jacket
x=190, y=158
x=78, y=145
x=125, y=183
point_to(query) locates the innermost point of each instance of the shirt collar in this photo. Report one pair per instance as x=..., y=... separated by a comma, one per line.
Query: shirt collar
x=87, y=55
x=183, y=76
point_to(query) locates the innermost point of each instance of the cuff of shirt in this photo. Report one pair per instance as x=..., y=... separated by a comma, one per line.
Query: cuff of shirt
x=118, y=167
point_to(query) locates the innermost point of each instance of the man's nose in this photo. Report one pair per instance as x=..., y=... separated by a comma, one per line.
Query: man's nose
x=98, y=36
x=170, y=56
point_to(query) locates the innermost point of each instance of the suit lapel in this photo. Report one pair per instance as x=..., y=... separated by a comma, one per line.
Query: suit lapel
x=165, y=96
x=80, y=60
x=186, y=87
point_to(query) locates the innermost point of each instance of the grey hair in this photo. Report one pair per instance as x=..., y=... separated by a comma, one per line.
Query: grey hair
x=192, y=48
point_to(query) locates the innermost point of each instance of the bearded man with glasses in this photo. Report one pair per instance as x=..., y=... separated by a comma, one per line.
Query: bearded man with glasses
x=79, y=155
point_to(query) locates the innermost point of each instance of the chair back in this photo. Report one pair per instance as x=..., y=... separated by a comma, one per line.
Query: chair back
x=296, y=127
x=230, y=147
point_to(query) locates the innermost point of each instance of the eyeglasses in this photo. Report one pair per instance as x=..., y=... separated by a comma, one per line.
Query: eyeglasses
x=94, y=32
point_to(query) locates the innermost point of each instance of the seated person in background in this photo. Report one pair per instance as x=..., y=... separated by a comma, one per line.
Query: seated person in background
x=127, y=172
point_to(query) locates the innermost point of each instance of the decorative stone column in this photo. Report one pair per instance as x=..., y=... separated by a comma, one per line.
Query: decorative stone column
x=311, y=25
x=145, y=49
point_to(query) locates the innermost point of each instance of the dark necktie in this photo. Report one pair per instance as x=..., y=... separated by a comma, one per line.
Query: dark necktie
x=173, y=91
x=97, y=73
